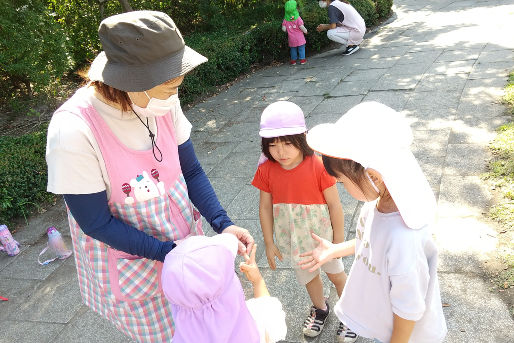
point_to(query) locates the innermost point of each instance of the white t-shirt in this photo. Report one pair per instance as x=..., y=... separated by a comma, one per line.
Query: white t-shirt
x=75, y=163
x=269, y=317
x=394, y=271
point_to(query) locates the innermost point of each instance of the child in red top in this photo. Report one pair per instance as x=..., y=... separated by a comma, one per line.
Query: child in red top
x=298, y=197
x=293, y=25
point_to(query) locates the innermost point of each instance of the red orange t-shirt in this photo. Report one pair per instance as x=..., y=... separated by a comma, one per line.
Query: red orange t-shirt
x=303, y=184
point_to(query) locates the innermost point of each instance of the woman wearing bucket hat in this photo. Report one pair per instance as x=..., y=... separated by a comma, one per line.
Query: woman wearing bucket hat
x=392, y=291
x=119, y=151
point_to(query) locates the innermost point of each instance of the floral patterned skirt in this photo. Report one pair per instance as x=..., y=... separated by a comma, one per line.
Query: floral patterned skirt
x=293, y=224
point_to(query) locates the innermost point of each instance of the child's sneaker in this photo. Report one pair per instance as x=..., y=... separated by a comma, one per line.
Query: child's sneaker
x=315, y=322
x=345, y=335
x=292, y=62
x=350, y=49
x=303, y=61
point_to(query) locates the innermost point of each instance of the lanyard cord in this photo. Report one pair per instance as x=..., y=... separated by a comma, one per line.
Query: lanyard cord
x=152, y=137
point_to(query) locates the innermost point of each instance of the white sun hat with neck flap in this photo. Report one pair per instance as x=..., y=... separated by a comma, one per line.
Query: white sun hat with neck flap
x=378, y=137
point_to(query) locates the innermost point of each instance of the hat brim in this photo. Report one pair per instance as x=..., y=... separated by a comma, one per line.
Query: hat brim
x=285, y=131
x=138, y=78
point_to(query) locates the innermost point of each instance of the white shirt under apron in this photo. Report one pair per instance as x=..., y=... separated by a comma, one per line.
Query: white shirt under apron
x=75, y=164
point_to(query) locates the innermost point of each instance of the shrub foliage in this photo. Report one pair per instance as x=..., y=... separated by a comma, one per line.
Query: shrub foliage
x=23, y=175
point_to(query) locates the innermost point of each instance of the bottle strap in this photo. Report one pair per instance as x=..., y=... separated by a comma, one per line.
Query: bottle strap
x=47, y=261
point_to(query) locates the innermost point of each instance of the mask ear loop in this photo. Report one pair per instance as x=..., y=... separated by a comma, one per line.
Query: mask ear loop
x=150, y=133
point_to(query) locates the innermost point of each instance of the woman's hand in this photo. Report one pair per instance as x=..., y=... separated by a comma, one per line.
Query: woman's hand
x=245, y=239
x=320, y=27
x=250, y=268
x=319, y=256
x=271, y=252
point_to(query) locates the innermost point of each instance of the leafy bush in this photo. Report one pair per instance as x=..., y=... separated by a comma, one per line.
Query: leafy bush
x=34, y=48
x=23, y=175
x=230, y=55
x=366, y=9
x=312, y=16
x=383, y=7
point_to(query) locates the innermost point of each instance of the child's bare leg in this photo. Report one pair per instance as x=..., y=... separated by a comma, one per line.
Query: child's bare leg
x=339, y=280
x=315, y=290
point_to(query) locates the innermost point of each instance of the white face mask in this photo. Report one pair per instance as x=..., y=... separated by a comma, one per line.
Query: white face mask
x=157, y=107
x=322, y=4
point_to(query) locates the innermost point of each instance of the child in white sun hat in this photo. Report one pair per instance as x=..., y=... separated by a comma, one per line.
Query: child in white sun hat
x=392, y=291
x=298, y=197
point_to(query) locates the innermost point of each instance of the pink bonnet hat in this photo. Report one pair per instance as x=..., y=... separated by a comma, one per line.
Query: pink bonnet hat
x=206, y=297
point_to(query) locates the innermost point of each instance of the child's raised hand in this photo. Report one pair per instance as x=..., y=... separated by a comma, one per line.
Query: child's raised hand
x=250, y=268
x=271, y=252
x=317, y=257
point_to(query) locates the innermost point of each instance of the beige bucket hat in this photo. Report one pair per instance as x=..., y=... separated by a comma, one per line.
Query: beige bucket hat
x=142, y=49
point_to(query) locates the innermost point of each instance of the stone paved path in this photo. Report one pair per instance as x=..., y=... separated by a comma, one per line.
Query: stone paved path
x=442, y=63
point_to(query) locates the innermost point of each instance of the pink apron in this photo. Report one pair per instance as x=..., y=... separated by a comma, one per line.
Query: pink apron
x=150, y=196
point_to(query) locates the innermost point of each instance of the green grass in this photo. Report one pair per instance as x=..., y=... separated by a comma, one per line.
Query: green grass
x=501, y=174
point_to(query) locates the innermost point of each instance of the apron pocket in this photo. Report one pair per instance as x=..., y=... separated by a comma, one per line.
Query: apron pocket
x=133, y=278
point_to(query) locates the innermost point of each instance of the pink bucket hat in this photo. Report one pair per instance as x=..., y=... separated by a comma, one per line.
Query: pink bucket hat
x=207, y=300
x=282, y=118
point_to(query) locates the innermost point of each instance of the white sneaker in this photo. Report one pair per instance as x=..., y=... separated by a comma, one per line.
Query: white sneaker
x=345, y=335
x=315, y=322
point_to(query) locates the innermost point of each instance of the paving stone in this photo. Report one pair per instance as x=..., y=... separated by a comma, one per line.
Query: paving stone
x=17, y=291
x=246, y=204
x=419, y=57
x=375, y=64
x=395, y=82
x=441, y=82
x=360, y=87
x=466, y=159
x=212, y=152
x=451, y=67
x=475, y=130
x=338, y=104
x=463, y=196
x=496, y=56
x=490, y=69
x=492, y=89
x=56, y=300
x=469, y=255
x=458, y=55
x=470, y=107
x=473, y=309
x=433, y=99
x=29, y=332
x=319, y=86
x=365, y=74
x=307, y=103
x=90, y=327
x=429, y=118
x=396, y=99
x=227, y=188
x=321, y=118
x=413, y=69
x=236, y=165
